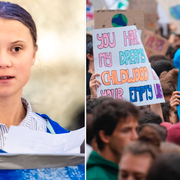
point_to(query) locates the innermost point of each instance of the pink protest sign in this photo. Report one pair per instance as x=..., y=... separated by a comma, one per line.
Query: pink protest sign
x=125, y=72
x=154, y=44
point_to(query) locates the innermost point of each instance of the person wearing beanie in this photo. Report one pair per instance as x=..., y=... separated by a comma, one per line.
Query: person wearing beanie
x=173, y=134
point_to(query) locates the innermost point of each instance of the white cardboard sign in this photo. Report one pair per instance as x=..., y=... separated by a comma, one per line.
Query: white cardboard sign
x=125, y=72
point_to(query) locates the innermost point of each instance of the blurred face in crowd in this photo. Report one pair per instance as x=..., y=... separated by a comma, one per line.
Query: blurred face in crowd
x=123, y=134
x=134, y=167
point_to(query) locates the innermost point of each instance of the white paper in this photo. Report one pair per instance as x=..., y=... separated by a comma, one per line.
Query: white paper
x=24, y=140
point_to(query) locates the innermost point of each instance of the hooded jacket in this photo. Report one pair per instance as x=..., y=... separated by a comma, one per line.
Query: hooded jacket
x=98, y=168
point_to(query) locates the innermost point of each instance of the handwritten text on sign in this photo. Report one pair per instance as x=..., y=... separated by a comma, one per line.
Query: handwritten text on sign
x=155, y=44
x=125, y=71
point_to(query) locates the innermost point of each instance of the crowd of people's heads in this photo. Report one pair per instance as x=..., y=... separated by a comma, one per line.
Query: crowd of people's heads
x=133, y=137
x=138, y=155
x=143, y=141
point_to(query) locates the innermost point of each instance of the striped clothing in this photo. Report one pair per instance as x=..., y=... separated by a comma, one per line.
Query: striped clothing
x=31, y=121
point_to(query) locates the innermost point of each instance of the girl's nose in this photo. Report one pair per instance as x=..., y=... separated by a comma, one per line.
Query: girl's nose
x=4, y=60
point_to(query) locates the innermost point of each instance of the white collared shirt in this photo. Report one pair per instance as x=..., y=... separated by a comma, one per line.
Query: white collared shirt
x=31, y=121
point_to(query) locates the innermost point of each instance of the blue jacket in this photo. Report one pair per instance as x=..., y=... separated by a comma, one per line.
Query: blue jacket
x=176, y=59
x=52, y=126
x=177, y=65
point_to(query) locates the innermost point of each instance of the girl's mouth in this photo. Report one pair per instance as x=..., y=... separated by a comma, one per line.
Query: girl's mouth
x=6, y=77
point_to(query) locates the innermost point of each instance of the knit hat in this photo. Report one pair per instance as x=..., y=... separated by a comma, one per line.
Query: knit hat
x=173, y=134
x=166, y=124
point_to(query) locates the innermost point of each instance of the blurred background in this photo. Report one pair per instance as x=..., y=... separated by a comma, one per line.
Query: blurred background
x=56, y=86
x=158, y=14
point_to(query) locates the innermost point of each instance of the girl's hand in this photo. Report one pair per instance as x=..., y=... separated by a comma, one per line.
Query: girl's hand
x=93, y=85
x=174, y=101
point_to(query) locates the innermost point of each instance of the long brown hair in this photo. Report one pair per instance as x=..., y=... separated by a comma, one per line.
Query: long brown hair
x=148, y=143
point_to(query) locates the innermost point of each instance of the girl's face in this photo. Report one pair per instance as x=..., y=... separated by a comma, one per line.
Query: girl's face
x=134, y=167
x=17, y=55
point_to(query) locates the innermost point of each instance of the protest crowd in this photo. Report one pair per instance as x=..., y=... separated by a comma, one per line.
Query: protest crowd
x=133, y=129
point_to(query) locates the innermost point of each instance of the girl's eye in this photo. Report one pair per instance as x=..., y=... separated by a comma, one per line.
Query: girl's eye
x=16, y=49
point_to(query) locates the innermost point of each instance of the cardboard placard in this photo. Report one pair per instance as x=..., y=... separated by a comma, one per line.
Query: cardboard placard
x=89, y=26
x=155, y=44
x=117, y=18
x=149, y=6
x=125, y=72
x=150, y=21
x=150, y=12
x=172, y=9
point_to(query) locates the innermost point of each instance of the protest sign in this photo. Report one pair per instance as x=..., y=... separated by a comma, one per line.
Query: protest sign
x=155, y=44
x=89, y=26
x=163, y=18
x=150, y=21
x=118, y=18
x=149, y=6
x=172, y=9
x=125, y=72
x=150, y=12
x=46, y=166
